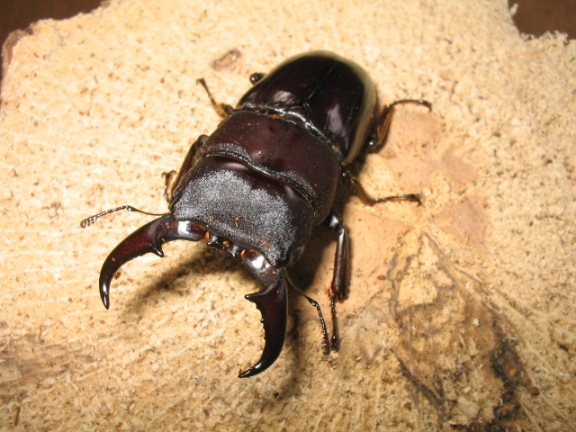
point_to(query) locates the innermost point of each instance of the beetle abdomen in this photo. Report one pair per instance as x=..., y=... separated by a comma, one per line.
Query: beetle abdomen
x=282, y=151
x=324, y=92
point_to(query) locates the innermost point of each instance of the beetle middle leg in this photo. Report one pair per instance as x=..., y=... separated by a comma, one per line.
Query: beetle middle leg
x=173, y=179
x=340, y=278
x=357, y=189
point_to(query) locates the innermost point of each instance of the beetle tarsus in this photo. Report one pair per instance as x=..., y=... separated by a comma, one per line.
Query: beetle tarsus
x=335, y=339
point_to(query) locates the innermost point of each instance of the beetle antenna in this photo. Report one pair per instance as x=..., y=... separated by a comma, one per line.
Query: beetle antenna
x=314, y=303
x=92, y=219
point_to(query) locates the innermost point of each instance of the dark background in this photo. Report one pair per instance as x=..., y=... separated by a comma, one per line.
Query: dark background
x=532, y=16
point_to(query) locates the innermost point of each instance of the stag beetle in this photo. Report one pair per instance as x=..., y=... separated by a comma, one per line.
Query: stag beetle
x=266, y=177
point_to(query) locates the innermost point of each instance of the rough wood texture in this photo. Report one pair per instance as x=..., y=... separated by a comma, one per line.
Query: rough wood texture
x=461, y=312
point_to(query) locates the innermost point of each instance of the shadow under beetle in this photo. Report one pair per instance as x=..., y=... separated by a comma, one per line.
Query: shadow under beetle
x=266, y=177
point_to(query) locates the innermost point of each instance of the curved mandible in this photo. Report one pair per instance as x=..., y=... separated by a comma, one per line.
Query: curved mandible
x=272, y=303
x=148, y=238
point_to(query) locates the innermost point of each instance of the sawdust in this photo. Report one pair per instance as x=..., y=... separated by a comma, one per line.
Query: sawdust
x=460, y=312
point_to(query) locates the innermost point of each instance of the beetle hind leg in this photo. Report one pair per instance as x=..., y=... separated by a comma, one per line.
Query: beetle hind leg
x=358, y=190
x=385, y=119
x=375, y=143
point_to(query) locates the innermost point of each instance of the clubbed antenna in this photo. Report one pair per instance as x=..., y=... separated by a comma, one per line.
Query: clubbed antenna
x=92, y=219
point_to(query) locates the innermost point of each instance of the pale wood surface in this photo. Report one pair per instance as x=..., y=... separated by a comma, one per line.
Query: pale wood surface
x=461, y=312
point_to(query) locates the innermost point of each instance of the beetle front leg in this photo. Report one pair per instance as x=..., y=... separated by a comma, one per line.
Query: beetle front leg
x=173, y=180
x=340, y=279
x=223, y=110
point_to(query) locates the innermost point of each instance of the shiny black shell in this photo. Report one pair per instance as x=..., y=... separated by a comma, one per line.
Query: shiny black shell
x=332, y=97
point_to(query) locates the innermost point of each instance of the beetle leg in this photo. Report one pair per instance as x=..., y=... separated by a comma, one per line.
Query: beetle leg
x=385, y=119
x=148, y=238
x=173, y=181
x=316, y=305
x=272, y=303
x=357, y=189
x=341, y=275
x=169, y=180
x=223, y=110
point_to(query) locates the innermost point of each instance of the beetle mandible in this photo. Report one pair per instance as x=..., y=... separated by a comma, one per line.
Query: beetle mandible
x=268, y=175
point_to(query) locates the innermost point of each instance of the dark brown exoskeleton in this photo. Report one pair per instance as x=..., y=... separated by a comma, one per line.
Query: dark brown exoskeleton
x=258, y=186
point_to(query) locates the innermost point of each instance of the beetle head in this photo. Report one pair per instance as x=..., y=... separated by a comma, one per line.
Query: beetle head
x=245, y=207
x=270, y=300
